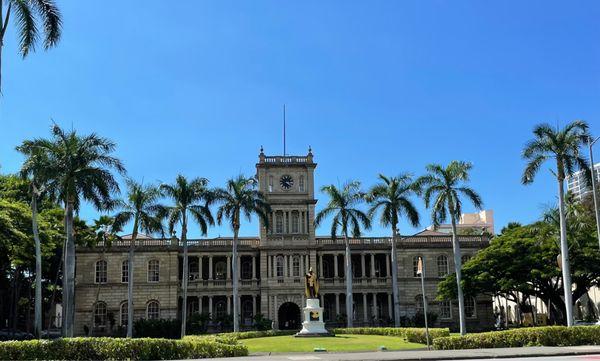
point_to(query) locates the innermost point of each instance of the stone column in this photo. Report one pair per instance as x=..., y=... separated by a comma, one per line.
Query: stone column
x=275, y=312
x=200, y=267
x=372, y=265
x=285, y=266
x=337, y=304
x=253, y=305
x=229, y=305
x=390, y=313
x=210, y=306
x=362, y=264
x=375, y=304
x=335, y=265
x=239, y=267
x=302, y=269
x=321, y=265
x=200, y=305
x=210, y=268
x=291, y=264
x=365, y=307
x=253, y=267
x=270, y=266
x=228, y=267
x=387, y=266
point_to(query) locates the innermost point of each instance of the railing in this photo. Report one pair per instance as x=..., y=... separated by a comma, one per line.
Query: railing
x=408, y=240
x=163, y=242
x=226, y=283
x=286, y=159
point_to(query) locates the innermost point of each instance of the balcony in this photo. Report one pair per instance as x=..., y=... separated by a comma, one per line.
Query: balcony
x=243, y=284
x=404, y=241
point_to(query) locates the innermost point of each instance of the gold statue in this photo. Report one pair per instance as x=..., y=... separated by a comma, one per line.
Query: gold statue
x=311, y=284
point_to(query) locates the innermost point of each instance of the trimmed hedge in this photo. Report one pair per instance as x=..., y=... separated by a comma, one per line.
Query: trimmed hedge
x=535, y=336
x=416, y=335
x=233, y=337
x=105, y=348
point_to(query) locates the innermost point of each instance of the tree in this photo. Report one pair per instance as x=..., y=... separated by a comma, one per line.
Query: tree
x=392, y=197
x=562, y=145
x=34, y=169
x=79, y=170
x=142, y=207
x=27, y=14
x=443, y=190
x=192, y=199
x=240, y=198
x=346, y=219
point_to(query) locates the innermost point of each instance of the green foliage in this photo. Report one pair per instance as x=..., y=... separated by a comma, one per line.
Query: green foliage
x=537, y=336
x=261, y=323
x=197, y=323
x=159, y=328
x=416, y=335
x=104, y=348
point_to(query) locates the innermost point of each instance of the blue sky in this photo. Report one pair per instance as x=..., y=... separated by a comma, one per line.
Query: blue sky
x=196, y=87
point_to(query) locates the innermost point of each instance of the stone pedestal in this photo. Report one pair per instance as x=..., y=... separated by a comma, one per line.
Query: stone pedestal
x=313, y=325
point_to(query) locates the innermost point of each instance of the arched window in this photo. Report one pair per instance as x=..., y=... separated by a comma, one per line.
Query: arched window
x=153, y=310
x=247, y=270
x=296, y=266
x=470, y=310
x=445, y=309
x=125, y=271
x=419, y=303
x=279, y=266
x=279, y=222
x=101, y=267
x=153, y=270
x=442, y=266
x=123, y=313
x=220, y=309
x=295, y=222
x=301, y=183
x=416, y=266
x=220, y=270
x=100, y=314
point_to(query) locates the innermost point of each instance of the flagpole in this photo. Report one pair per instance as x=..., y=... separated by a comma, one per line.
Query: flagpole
x=421, y=269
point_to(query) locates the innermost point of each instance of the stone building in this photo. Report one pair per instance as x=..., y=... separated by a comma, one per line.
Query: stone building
x=272, y=268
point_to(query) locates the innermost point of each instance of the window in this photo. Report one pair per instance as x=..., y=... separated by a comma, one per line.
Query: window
x=416, y=266
x=419, y=303
x=220, y=270
x=220, y=309
x=279, y=222
x=470, y=307
x=247, y=312
x=153, y=310
x=301, y=183
x=101, y=271
x=445, y=309
x=194, y=269
x=295, y=222
x=279, y=266
x=123, y=313
x=442, y=265
x=296, y=266
x=153, y=270
x=247, y=270
x=125, y=271
x=100, y=314
x=465, y=258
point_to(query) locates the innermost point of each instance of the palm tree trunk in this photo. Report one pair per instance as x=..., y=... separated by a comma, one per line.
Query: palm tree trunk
x=185, y=276
x=38, y=265
x=130, y=279
x=234, y=268
x=395, y=295
x=564, y=254
x=457, y=269
x=348, y=274
x=69, y=284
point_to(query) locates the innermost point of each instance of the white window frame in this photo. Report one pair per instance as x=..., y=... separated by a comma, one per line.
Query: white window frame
x=98, y=273
x=442, y=266
x=444, y=304
x=153, y=272
x=125, y=271
x=150, y=303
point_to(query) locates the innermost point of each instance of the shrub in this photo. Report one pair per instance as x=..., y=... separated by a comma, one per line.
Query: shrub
x=535, y=336
x=233, y=337
x=198, y=323
x=261, y=323
x=159, y=328
x=104, y=348
x=416, y=335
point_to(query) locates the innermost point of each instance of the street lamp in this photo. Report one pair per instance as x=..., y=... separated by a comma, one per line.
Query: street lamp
x=591, y=142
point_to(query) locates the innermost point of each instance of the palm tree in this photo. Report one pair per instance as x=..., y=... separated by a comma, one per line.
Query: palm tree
x=392, y=197
x=562, y=145
x=27, y=13
x=240, y=198
x=444, y=188
x=34, y=169
x=346, y=219
x=141, y=206
x=191, y=198
x=79, y=169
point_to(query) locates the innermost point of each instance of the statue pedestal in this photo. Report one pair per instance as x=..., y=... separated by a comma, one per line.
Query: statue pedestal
x=313, y=325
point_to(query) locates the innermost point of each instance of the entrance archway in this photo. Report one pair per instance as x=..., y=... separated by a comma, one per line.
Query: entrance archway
x=289, y=316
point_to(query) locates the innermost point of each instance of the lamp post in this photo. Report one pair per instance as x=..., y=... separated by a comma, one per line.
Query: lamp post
x=591, y=144
x=421, y=272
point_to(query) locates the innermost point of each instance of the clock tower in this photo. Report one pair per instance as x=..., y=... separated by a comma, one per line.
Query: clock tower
x=288, y=184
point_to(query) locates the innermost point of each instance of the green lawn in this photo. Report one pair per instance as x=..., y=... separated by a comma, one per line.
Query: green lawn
x=331, y=344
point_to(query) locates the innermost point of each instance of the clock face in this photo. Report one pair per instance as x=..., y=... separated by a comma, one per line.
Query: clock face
x=286, y=182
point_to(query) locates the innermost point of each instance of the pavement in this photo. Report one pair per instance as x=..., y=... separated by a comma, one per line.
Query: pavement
x=579, y=353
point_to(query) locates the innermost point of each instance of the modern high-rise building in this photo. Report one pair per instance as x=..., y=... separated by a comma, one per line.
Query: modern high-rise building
x=272, y=266
x=577, y=184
